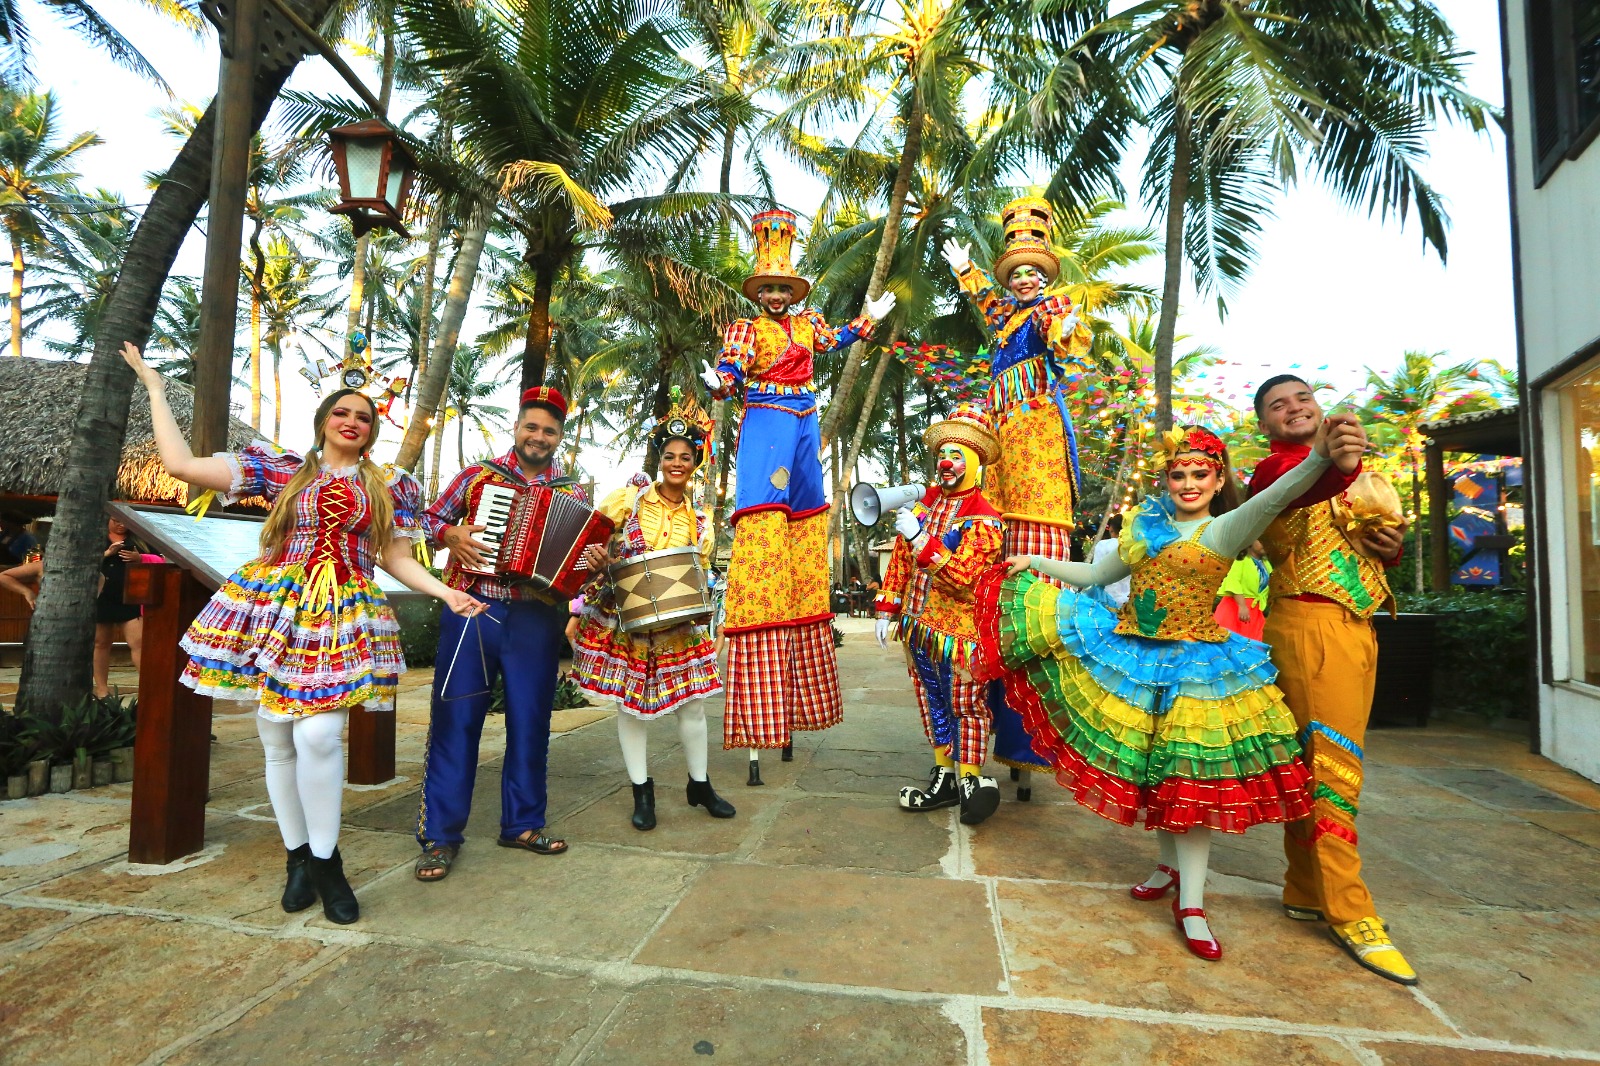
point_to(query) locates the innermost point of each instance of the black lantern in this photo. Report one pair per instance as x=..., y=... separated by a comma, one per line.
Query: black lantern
x=375, y=171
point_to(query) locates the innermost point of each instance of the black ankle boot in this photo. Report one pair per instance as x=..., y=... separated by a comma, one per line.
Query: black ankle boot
x=338, y=899
x=788, y=753
x=755, y=773
x=644, y=804
x=298, y=891
x=701, y=794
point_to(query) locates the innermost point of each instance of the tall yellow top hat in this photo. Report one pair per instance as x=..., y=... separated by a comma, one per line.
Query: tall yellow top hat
x=968, y=426
x=775, y=232
x=1027, y=224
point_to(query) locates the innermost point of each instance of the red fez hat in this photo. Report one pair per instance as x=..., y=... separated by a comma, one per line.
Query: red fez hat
x=544, y=394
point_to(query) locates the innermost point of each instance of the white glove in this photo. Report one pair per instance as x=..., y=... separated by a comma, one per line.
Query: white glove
x=876, y=309
x=881, y=630
x=710, y=376
x=1069, y=324
x=907, y=524
x=958, y=255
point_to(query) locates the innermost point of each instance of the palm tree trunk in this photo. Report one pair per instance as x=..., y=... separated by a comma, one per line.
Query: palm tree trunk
x=660, y=404
x=1172, y=282
x=880, y=265
x=57, y=659
x=438, y=454
x=430, y=389
x=871, y=400
x=430, y=269
x=901, y=459
x=1416, y=511
x=17, y=268
x=536, y=350
x=258, y=273
x=727, y=158
x=461, y=441
x=277, y=391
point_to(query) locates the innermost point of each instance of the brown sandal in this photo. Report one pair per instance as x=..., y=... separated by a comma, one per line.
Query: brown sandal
x=536, y=841
x=436, y=857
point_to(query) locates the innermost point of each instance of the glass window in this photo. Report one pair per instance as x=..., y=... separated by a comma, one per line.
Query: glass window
x=1580, y=401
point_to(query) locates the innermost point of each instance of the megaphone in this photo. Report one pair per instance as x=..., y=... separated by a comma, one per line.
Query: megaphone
x=869, y=503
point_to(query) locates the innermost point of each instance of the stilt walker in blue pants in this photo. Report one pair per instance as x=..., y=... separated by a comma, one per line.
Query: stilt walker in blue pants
x=517, y=640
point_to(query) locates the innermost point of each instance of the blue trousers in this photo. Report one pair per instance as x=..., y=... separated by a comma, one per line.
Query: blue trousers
x=523, y=650
x=777, y=455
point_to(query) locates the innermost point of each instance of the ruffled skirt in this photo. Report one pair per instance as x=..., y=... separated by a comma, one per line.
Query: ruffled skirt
x=1180, y=733
x=257, y=641
x=646, y=674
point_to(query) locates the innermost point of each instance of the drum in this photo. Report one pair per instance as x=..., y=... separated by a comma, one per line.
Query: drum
x=661, y=589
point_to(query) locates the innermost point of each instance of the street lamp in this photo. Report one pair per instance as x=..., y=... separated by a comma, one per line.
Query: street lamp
x=375, y=172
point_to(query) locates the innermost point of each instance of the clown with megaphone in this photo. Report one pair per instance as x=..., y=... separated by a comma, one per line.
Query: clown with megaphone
x=946, y=540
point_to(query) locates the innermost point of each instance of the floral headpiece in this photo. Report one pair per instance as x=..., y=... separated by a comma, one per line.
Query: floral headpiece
x=685, y=421
x=1176, y=442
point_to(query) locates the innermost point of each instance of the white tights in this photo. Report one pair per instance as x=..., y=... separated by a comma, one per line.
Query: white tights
x=634, y=735
x=305, y=778
x=1190, y=854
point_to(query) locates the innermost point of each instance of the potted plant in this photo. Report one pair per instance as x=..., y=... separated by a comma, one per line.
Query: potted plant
x=82, y=768
x=15, y=754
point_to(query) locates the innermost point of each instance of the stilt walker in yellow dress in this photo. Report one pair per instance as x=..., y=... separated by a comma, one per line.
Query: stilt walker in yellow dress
x=782, y=672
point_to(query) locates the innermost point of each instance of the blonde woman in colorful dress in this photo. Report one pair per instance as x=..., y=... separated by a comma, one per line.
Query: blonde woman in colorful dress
x=304, y=631
x=650, y=675
x=1154, y=711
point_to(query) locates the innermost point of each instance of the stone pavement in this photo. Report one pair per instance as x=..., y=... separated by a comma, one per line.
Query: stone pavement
x=820, y=925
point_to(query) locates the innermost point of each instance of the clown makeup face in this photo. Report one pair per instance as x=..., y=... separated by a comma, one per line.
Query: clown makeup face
x=775, y=299
x=1026, y=282
x=951, y=467
x=1193, y=481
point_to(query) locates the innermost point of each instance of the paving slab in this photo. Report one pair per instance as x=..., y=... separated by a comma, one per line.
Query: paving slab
x=1060, y=841
x=48, y=835
x=1028, y=1037
x=1552, y=872
x=383, y=1004
x=1575, y=787
x=833, y=927
x=1423, y=1055
x=881, y=836
x=1523, y=977
x=243, y=882
x=1498, y=789
x=117, y=988
x=589, y=903
x=19, y=922
x=1582, y=828
x=663, y=1024
x=880, y=773
x=1102, y=946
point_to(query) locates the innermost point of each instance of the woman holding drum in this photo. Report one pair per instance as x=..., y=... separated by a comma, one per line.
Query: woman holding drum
x=642, y=642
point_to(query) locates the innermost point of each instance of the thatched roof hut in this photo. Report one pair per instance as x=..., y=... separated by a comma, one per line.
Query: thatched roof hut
x=38, y=405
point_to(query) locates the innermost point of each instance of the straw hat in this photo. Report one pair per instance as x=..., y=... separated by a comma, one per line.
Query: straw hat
x=1027, y=226
x=968, y=426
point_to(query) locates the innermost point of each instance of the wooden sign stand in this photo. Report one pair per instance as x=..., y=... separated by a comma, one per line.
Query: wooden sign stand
x=172, y=750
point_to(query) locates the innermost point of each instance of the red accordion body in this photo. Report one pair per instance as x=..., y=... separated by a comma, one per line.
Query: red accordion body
x=545, y=539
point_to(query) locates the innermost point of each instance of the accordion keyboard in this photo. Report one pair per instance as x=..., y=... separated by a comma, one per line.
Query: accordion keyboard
x=493, y=513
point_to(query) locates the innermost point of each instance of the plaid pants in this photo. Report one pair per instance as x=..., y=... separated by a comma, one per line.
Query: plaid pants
x=954, y=710
x=1036, y=538
x=780, y=679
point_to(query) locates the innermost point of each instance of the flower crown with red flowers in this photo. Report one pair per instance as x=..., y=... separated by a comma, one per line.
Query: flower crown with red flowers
x=1189, y=439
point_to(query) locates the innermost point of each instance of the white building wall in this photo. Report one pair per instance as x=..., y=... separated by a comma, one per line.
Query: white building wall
x=1558, y=233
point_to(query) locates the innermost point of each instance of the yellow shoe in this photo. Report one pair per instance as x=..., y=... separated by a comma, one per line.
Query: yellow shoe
x=1368, y=943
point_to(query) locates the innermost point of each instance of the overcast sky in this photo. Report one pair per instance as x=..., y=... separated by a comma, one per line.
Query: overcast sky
x=1333, y=292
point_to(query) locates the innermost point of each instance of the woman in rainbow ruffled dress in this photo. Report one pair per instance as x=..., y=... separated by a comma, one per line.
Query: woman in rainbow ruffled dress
x=1155, y=711
x=304, y=631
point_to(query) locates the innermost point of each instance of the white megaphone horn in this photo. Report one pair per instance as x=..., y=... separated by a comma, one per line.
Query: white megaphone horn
x=869, y=503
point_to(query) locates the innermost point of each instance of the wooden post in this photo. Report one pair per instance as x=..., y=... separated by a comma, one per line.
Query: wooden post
x=371, y=757
x=230, y=175
x=172, y=750
x=1438, y=519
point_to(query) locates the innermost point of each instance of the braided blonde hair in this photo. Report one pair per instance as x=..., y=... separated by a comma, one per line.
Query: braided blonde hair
x=280, y=520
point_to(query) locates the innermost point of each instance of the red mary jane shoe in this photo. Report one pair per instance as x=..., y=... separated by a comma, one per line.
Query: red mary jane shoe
x=1209, y=950
x=1145, y=894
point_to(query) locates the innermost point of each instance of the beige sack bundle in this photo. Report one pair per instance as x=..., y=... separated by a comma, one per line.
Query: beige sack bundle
x=1370, y=503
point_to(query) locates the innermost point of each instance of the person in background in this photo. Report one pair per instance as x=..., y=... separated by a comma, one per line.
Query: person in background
x=17, y=545
x=1243, y=606
x=1115, y=593
x=113, y=618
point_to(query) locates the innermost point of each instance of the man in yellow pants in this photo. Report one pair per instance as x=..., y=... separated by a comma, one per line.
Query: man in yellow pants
x=1324, y=592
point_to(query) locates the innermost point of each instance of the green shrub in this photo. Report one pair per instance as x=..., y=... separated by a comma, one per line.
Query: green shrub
x=1481, y=650
x=16, y=750
x=419, y=629
x=93, y=725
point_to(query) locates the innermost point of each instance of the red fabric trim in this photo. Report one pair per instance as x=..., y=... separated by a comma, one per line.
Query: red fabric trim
x=1312, y=597
x=757, y=509
x=788, y=623
x=930, y=551
x=800, y=516
x=1329, y=827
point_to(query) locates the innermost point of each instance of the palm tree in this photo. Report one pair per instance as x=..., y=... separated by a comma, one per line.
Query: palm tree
x=77, y=280
x=175, y=334
x=38, y=187
x=900, y=65
x=569, y=103
x=1236, y=97
x=292, y=312
x=470, y=386
x=56, y=661
x=16, y=58
x=1418, y=390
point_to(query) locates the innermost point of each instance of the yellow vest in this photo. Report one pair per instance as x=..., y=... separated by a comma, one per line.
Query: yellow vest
x=1310, y=555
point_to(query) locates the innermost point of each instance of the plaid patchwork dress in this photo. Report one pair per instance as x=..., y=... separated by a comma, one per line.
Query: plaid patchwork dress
x=307, y=630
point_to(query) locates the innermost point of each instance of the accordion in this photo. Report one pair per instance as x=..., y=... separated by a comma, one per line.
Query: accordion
x=538, y=535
